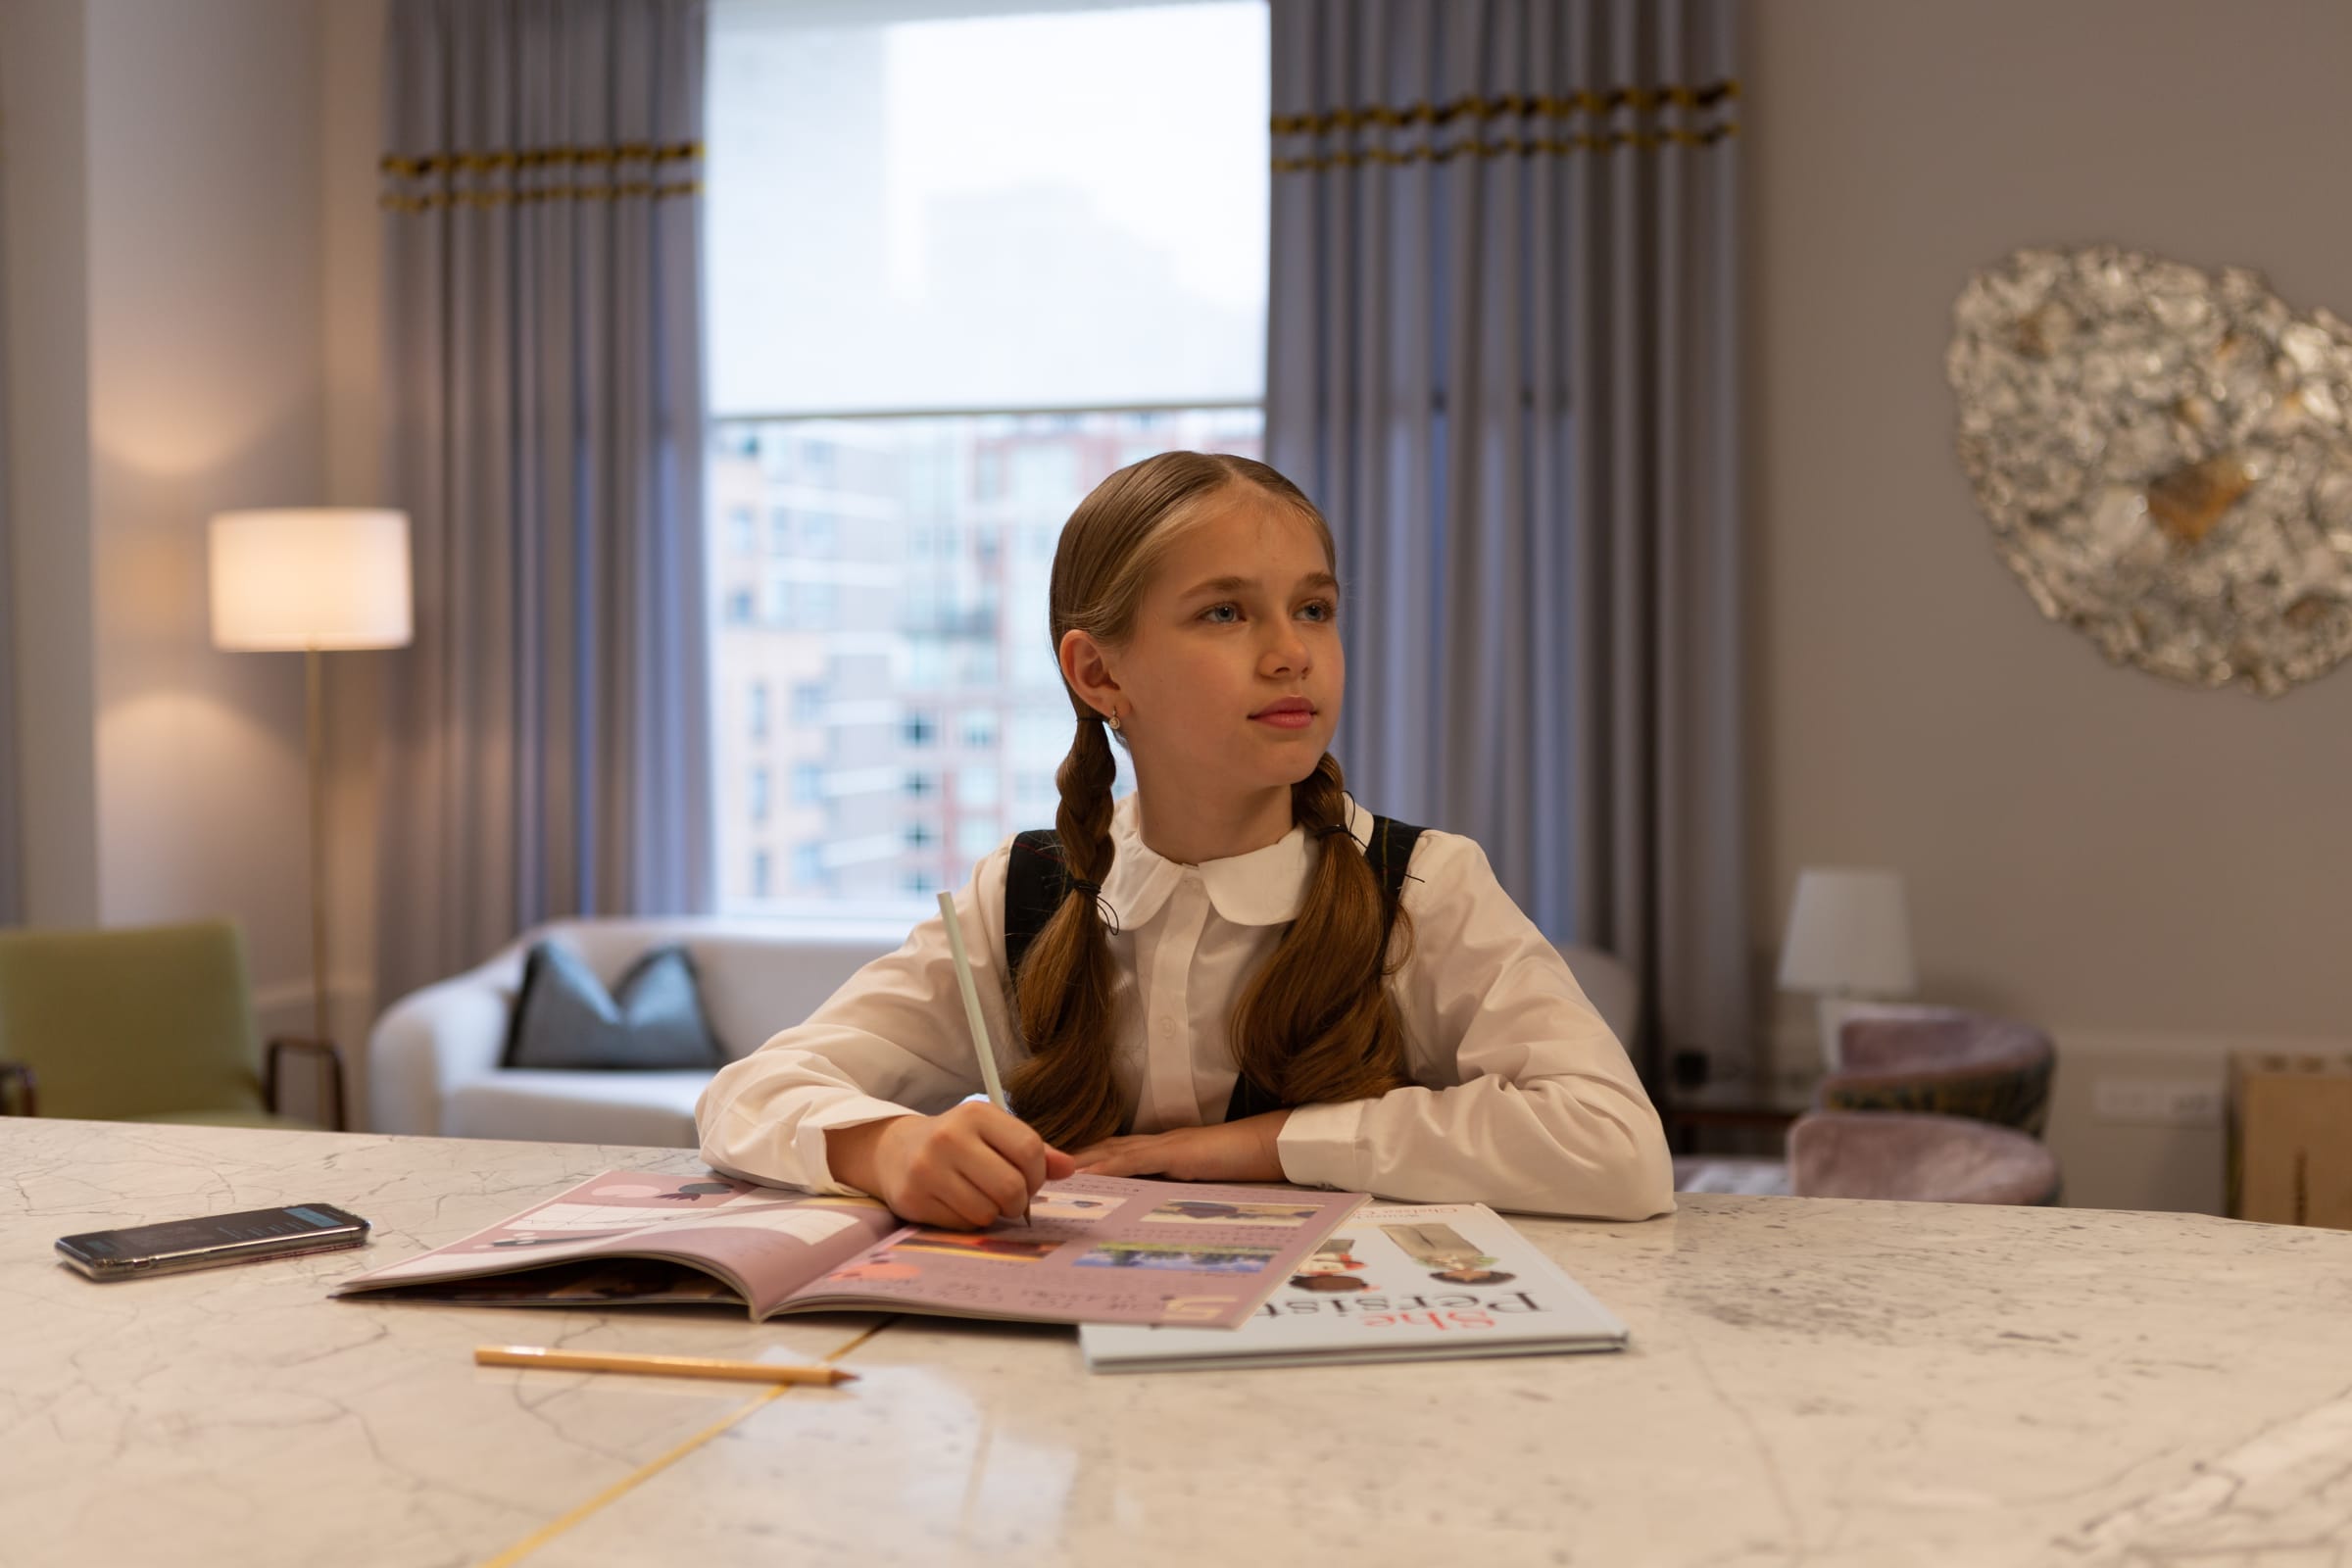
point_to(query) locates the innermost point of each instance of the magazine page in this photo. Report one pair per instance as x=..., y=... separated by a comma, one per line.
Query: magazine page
x=1099, y=1250
x=762, y=1242
x=1394, y=1281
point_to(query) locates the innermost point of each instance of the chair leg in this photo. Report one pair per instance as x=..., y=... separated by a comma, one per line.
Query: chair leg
x=324, y=1050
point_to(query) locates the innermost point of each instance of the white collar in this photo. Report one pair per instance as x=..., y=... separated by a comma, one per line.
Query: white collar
x=1263, y=886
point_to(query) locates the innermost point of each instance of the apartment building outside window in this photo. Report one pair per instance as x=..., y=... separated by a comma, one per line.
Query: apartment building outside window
x=1035, y=264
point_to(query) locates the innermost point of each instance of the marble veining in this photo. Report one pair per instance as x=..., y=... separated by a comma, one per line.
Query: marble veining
x=1811, y=1382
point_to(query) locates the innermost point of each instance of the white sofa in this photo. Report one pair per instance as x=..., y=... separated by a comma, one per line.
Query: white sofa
x=433, y=1059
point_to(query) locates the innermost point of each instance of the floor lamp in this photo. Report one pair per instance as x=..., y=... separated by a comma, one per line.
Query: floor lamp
x=314, y=579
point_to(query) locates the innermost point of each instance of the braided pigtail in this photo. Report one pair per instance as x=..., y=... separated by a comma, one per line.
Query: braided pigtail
x=1064, y=1088
x=1317, y=1023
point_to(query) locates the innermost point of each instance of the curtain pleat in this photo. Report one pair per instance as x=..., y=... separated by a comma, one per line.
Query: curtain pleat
x=1501, y=355
x=549, y=749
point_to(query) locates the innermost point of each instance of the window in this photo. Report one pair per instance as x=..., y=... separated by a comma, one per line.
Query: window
x=758, y=794
x=762, y=875
x=912, y=395
x=975, y=836
x=758, y=710
x=927, y=662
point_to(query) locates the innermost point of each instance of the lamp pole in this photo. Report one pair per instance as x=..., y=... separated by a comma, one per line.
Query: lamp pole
x=312, y=723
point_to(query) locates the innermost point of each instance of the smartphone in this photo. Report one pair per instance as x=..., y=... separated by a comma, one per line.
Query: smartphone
x=137, y=1251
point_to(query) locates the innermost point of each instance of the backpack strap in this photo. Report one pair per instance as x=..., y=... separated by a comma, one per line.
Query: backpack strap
x=1037, y=878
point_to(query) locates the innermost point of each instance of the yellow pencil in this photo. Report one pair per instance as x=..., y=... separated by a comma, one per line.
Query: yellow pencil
x=672, y=1367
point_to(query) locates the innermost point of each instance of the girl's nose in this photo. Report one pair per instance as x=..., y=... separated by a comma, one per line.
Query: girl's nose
x=1286, y=654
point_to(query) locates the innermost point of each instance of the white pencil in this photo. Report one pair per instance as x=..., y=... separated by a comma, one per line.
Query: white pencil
x=972, y=1014
x=971, y=1004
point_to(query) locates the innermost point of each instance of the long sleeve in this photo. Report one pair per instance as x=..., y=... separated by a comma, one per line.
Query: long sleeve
x=1522, y=1097
x=892, y=1040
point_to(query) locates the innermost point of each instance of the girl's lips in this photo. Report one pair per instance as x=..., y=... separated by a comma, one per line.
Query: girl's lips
x=1286, y=718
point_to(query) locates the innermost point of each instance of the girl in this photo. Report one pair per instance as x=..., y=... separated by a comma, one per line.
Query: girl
x=1236, y=973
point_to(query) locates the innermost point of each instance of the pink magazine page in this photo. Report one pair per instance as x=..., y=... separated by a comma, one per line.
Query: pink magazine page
x=1099, y=1250
x=763, y=1241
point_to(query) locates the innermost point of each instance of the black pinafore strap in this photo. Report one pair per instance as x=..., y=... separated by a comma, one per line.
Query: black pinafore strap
x=1037, y=879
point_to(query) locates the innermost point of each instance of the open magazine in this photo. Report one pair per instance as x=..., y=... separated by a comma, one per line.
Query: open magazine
x=1393, y=1282
x=1095, y=1249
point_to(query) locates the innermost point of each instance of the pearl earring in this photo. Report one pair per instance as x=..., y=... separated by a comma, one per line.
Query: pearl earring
x=1114, y=720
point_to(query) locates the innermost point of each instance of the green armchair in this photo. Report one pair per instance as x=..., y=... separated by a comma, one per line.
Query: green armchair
x=151, y=1023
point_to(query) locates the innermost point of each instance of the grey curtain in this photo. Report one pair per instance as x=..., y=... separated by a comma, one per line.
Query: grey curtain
x=1504, y=356
x=548, y=744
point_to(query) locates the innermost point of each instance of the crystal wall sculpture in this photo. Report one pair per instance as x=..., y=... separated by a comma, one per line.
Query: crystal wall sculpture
x=2166, y=459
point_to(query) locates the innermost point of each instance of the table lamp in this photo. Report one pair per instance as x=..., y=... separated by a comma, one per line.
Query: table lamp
x=313, y=578
x=1848, y=938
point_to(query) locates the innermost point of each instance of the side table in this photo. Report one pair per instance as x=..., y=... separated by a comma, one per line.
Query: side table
x=1766, y=1103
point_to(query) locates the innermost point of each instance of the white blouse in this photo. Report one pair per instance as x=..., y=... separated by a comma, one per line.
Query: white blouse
x=1521, y=1096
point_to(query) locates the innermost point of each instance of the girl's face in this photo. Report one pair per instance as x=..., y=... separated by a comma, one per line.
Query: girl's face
x=1231, y=679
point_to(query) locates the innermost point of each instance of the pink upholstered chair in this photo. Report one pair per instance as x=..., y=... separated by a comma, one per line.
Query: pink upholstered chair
x=1920, y=1158
x=1943, y=1061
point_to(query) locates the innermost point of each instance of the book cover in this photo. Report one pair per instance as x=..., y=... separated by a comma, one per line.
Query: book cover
x=1392, y=1282
x=1095, y=1249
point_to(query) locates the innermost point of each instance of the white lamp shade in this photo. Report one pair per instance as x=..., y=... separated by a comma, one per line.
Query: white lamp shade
x=311, y=577
x=1848, y=933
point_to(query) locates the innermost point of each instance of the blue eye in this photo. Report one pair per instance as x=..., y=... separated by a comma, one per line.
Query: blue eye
x=1319, y=609
x=1222, y=615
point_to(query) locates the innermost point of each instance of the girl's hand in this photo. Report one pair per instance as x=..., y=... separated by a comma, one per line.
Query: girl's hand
x=1232, y=1152
x=964, y=1169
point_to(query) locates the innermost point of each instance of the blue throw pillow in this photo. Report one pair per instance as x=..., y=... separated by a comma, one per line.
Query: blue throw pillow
x=652, y=1020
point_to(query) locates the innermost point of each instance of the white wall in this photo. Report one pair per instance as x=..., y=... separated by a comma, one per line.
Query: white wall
x=207, y=380
x=2155, y=873
x=192, y=326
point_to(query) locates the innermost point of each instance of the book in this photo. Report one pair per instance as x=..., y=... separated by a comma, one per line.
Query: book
x=1095, y=1249
x=1393, y=1282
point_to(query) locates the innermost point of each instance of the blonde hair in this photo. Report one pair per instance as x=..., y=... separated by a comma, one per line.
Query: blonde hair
x=1315, y=1023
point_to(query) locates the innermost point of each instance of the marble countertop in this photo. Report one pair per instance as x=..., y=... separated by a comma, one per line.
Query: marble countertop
x=1810, y=1382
